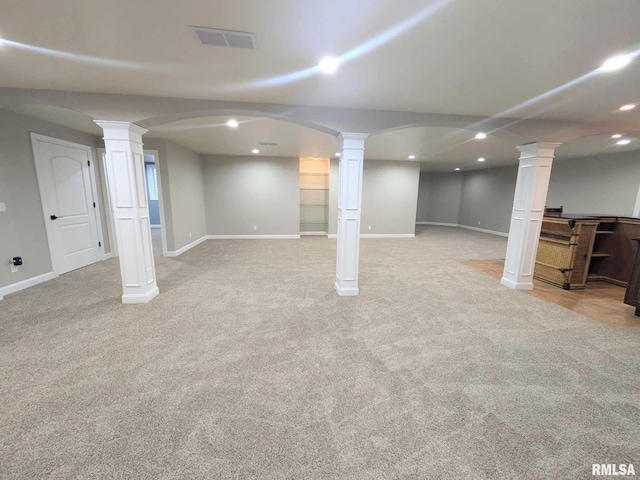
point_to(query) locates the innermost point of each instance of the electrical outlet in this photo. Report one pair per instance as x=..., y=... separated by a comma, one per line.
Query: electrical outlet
x=14, y=269
x=190, y=235
x=3, y=207
x=255, y=227
x=369, y=227
x=478, y=222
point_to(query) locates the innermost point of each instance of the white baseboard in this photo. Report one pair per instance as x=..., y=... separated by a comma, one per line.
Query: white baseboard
x=387, y=235
x=251, y=237
x=482, y=230
x=29, y=282
x=107, y=256
x=438, y=224
x=379, y=235
x=180, y=251
x=458, y=225
x=313, y=234
x=155, y=226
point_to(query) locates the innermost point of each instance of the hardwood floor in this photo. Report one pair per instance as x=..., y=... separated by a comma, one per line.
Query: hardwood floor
x=600, y=301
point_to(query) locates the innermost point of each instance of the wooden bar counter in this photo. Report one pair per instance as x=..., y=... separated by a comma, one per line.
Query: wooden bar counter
x=575, y=249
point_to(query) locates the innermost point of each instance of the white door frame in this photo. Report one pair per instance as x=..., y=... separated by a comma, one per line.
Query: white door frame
x=112, y=227
x=94, y=191
x=113, y=243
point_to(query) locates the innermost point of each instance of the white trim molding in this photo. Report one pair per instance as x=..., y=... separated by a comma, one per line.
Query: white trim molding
x=29, y=282
x=467, y=227
x=482, y=230
x=438, y=224
x=180, y=251
x=252, y=237
x=387, y=235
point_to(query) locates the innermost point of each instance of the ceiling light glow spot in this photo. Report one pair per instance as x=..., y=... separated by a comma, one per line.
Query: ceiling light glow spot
x=255, y=150
x=232, y=123
x=616, y=135
x=624, y=108
x=481, y=136
x=623, y=142
x=411, y=157
x=338, y=154
x=481, y=159
x=616, y=63
x=329, y=64
x=457, y=169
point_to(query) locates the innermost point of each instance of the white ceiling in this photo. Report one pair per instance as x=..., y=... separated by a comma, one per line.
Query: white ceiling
x=456, y=57
x=447, y=56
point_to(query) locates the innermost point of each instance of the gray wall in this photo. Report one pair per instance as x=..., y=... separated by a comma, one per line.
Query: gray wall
x=439, y=197
x=22, y=230
x=422, y=210
x=241, y=192
x=487, y=198
x=389, y=197
x=599, y=184
x=181, y=182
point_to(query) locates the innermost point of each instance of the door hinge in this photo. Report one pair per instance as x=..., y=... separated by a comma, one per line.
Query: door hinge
x=88, y=163
x=99, y=244
x=94, y=204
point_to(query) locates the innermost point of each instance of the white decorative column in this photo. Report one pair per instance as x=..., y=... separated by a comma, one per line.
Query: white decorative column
x=349, y=207
x=126, y=182
x=534, y=171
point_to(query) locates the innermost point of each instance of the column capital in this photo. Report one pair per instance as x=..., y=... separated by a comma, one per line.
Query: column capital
x=352, y=140
x=121, y=130
x=538, y=149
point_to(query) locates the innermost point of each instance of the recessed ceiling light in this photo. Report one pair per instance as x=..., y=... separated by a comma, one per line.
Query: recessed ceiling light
x=338, y=154
x=631, y=106
x=457, y=169
x=481, y=159
x=616, y=135
x=329, y=64
x=623, y=142
x=411, y=157
x=481, y=136
x=255, y=150
x=616, y=63
x=232, y=123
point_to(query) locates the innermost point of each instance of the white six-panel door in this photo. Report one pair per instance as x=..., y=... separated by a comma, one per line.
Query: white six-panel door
x=70, y=212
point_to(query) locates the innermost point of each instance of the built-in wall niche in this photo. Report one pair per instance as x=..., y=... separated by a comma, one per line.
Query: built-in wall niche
x=314, y=196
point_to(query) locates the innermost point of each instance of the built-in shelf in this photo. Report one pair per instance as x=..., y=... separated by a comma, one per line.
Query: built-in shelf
x=599, y=255
x=604, y=232
x=314, y=199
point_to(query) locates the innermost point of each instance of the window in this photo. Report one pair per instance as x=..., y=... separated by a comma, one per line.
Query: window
x=152, y=181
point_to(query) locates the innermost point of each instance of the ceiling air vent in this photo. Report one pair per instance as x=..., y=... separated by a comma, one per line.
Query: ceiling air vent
x=225, y=38
x=268, y=144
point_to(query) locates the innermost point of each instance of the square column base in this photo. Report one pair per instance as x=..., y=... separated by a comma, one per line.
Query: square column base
x=140, y=297
x=346, y=291
x=516, y=285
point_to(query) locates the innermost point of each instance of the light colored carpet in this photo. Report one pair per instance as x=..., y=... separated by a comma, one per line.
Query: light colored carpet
x=249, y=366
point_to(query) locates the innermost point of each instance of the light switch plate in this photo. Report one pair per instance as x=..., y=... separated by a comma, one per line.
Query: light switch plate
x=3, y=207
